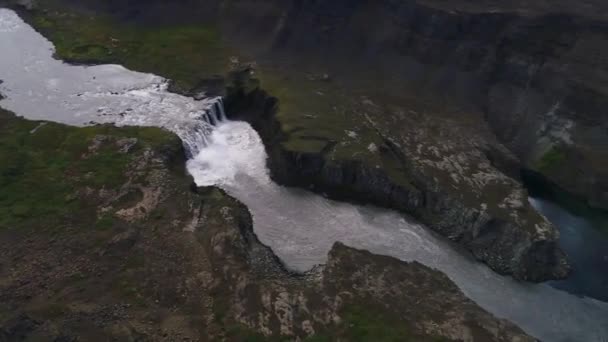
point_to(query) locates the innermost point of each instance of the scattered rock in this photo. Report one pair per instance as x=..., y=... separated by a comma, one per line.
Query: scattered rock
x=19, y=328
x=124, y=241
x=42, y=124
x=97, y=142
x=27, y=4
x=125, y=145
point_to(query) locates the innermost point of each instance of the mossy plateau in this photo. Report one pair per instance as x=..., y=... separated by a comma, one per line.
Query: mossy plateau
x=43, y=165
x=313, y=111
x=319, y=117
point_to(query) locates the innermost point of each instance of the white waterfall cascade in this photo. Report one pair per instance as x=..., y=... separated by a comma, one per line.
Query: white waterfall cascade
x=193, y=127
x=299, y=226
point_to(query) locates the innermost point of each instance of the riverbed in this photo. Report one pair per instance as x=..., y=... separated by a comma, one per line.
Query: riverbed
x=299, y=226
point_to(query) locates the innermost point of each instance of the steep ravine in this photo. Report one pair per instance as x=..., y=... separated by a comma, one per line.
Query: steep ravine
x=507, y=247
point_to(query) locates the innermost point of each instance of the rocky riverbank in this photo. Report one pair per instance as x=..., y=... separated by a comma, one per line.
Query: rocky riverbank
x=103, y=236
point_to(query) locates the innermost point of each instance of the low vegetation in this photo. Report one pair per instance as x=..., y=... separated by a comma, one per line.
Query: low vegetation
x=43, y=165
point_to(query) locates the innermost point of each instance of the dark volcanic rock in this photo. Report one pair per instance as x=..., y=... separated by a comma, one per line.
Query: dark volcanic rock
x=18, y=328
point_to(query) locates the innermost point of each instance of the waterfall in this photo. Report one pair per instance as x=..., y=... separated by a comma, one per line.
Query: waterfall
x=196, y=135
x=153, y=105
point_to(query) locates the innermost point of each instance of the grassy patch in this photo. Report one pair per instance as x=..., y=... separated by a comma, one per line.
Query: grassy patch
x=551, y=159
x=359, y=324
x=42, y=170
x=185, y=54
x=316, y=114
x=242, y=333
x=105, y=222
x=368, y=324
x=309, y=111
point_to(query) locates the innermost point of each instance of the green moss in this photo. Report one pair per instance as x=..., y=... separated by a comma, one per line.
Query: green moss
x=368, y=324
x=43, y=166
x=105, y=222
x=305, y=145
x=242, y=333
x=358, y=323
x=551, y=159
x=185, y=54
x=307, y=108
x=125, y=287
x=316, y=114
x=361, y=326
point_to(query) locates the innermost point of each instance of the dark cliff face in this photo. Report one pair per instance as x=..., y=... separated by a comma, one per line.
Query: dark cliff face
x=540, y=79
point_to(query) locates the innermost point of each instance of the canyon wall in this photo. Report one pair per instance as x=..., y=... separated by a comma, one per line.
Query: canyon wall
x=539, y=77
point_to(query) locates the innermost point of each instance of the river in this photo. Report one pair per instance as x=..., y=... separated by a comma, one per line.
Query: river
x=299, y=226
x=587, y=248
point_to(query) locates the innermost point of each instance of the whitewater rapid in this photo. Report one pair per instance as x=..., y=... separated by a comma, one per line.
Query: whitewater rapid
x=299, y=226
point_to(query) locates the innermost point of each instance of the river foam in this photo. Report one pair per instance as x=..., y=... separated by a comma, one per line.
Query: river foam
x=299, y=226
